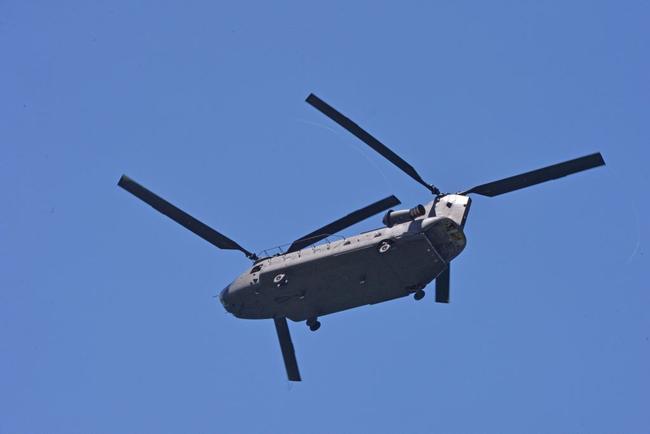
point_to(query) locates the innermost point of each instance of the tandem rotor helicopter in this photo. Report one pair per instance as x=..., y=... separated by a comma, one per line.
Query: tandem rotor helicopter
x=309, y=280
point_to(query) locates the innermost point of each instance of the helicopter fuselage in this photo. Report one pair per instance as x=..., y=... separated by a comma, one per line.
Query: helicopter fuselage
x=368, y=268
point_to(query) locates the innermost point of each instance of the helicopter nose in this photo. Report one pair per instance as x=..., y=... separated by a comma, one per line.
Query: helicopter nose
x=223, y=296
x=233, y=296
x=230, y=297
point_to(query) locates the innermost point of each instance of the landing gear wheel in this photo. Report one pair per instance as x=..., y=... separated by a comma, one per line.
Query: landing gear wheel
x=419, y=294
x=313, y=324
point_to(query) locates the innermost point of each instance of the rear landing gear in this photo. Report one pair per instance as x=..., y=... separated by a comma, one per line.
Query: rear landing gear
x=419, y=294
x=313, y=324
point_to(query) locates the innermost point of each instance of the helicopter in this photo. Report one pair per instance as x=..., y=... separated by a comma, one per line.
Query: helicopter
x=311, y=278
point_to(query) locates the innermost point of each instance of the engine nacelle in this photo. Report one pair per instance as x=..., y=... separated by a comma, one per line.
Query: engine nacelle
x=404, y=215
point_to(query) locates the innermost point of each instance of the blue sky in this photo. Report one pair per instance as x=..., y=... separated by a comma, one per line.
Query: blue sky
x=107, y=318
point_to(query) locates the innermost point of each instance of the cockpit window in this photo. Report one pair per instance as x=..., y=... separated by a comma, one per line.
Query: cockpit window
x=255, y=269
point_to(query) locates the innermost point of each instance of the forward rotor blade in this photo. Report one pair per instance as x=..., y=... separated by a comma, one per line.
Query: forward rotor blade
x=442, y=286
x=538, y=176
x=364, y=136
x=181, y=217
x=288, y=353
x=342, y=223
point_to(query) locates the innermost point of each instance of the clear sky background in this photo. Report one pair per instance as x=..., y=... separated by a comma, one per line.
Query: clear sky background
x=107, y=318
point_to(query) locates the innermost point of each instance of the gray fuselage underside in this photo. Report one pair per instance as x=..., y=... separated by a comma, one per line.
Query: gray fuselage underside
x=347, y=273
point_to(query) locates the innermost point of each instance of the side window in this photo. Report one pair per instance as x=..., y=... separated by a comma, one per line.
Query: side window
x=256, y=269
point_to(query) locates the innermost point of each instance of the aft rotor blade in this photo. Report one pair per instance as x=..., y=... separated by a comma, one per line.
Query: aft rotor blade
x=538, y=176
x=442, y=286
x=365, y=137
x=342, y=223
x=288, y=353
x=181, y=217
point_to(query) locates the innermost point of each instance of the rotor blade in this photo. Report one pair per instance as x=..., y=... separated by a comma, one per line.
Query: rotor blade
x=442, y=286
x=181, y=217
x=364, y=136
x=288, y=353
x=538, y=176
x=342, y=223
